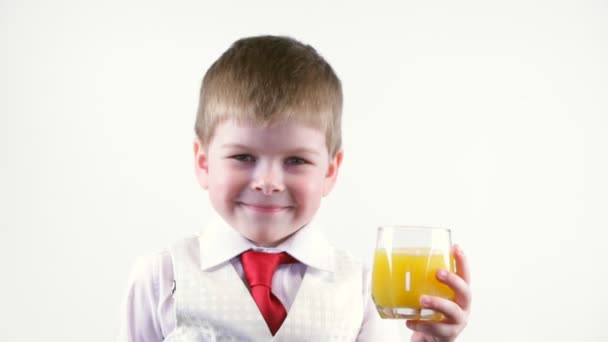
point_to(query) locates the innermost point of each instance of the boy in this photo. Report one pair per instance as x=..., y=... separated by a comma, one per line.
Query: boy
x=267, y=149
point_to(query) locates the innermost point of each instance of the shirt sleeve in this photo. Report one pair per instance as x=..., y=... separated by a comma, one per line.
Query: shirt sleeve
x=147, y=313
x=375, y=328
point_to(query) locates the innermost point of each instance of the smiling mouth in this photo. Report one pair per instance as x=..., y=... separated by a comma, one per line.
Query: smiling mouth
x=265, y=208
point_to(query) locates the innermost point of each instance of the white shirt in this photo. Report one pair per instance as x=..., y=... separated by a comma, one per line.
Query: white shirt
x=148, y=312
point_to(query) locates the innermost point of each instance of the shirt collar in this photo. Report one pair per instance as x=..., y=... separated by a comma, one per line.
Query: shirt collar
x=219, y=243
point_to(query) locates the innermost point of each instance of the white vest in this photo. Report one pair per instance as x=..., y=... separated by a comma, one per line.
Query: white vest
x=215, y=305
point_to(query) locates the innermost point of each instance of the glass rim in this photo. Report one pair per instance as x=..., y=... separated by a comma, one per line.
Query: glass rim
x=412, y=228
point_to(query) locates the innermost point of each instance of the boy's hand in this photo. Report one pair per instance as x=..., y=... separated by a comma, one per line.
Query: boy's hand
x=455, y=312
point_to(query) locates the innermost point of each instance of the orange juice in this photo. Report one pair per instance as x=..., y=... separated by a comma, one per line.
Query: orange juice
x=399, y=278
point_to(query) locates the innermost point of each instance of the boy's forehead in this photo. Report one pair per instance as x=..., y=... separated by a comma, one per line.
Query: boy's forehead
x=282, y=134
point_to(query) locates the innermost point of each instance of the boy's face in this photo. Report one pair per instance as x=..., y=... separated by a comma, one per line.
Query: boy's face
x=266, y=182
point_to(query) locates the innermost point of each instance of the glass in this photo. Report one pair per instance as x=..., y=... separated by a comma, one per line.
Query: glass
x=406, y=261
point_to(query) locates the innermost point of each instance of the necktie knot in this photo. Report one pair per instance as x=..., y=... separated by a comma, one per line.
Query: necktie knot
x=259, y=267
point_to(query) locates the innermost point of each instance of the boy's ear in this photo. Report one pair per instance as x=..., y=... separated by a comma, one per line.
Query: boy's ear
x=332, y=172
x=201, y=168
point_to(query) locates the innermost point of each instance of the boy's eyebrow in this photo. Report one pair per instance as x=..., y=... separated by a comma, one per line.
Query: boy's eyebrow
x=295, y=150
x=231, y=145
x=305, y=151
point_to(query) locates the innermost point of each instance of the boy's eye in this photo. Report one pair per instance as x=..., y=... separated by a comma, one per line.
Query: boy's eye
x=244, y=157
x=295, y=161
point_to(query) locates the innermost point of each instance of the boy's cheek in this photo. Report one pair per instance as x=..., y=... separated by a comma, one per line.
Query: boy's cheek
x=203, y=183
x=328, y=186
x=203, y=178
x=308, y=188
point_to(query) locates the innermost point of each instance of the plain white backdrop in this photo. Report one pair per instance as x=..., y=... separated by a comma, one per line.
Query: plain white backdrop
x=486, y=117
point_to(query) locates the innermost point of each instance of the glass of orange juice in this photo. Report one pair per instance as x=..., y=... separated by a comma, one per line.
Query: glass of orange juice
x=406, y=261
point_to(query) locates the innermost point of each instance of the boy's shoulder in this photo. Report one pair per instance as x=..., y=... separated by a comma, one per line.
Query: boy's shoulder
x=186, y=248
x=187, y=242
x=346, y=262
x=344, y=254
x=150, y=274
x=150, y=267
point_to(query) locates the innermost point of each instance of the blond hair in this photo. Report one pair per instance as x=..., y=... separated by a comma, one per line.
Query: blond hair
x=265, y=79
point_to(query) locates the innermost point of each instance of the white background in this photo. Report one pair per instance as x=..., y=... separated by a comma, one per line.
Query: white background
x=488, y=117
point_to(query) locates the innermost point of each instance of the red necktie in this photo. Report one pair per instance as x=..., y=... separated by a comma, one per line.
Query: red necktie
x=259, y=268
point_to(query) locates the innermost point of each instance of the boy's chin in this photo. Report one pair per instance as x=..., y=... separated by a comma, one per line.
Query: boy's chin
x=263, y=238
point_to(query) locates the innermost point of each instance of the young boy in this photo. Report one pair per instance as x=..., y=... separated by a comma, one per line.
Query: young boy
x=267, y=149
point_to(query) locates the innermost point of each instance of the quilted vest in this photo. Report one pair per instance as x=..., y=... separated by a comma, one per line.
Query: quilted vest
x=215, y=304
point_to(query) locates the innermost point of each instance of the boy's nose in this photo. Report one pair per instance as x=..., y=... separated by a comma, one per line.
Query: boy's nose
x=268, y=180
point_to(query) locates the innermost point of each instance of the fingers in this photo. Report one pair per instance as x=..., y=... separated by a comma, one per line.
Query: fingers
x=418, y=337
x=453, y=313
x=462, y=267
x=459, y=281
x=435, y=329
x=454, y=322
x=461, y=289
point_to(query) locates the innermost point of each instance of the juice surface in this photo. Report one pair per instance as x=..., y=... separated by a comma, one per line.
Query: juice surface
x=399, y=278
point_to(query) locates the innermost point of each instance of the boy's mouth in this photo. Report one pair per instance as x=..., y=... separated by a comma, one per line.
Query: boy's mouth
x=264, y=208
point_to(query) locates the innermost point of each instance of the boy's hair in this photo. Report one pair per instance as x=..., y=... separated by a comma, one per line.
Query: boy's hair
x=265, y=79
